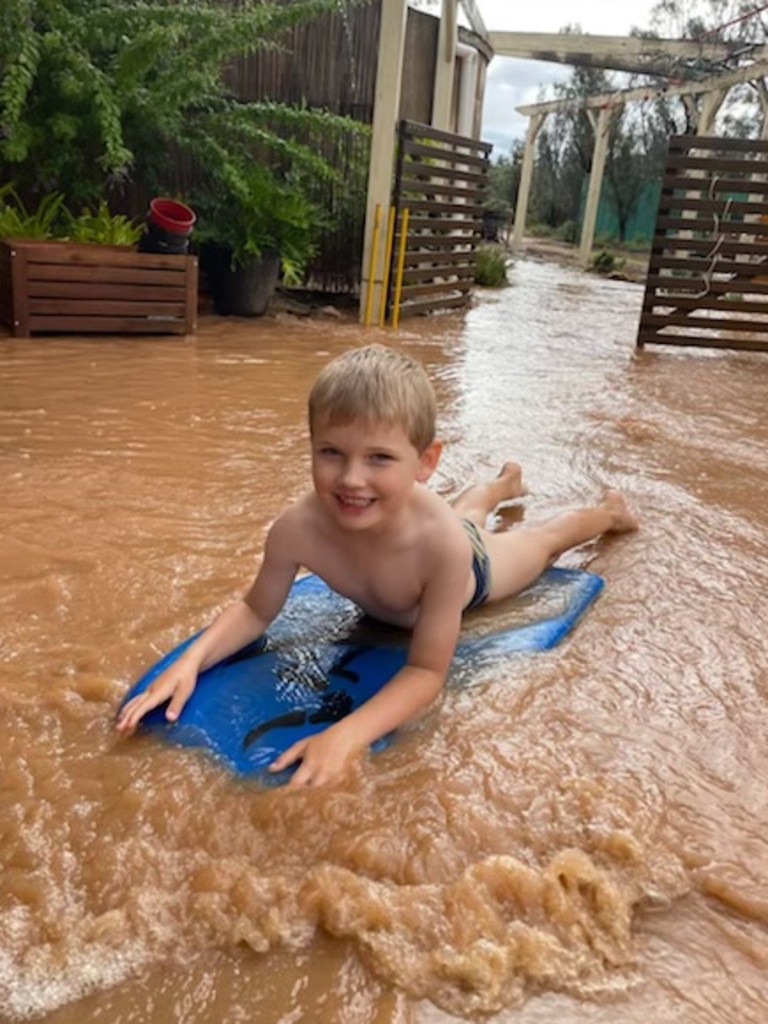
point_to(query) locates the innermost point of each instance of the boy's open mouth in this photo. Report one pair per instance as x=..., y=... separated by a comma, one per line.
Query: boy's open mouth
x=347, y=501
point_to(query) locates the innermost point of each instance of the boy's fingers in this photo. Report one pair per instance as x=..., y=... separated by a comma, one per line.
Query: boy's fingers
x=135, y=709
x=288, y=756
x=127, y=719
x=175, y=707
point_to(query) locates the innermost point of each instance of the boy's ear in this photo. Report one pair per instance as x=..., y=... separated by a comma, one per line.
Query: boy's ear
x=428, y=461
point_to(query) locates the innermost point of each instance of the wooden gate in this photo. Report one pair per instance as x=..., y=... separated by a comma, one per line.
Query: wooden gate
x=707, y=281
x=442, y=180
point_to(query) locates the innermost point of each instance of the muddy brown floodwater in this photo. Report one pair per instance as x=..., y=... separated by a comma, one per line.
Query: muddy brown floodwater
x=579, y=836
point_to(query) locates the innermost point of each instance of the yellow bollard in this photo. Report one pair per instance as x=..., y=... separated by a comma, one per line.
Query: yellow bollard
x=387, y=263
x=372, y=265
x=400, y=265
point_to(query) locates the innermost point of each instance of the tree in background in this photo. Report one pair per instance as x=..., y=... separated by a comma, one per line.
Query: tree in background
x=564, y=153
x=713, y=21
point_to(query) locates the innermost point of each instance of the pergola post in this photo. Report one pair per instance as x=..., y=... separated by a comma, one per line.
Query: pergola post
x=526, y=174
x=710, y=104
x=445, y=67
x=386, y=111
x=599, y=153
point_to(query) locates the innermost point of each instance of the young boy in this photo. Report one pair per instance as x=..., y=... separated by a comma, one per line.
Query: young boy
x=376, y=534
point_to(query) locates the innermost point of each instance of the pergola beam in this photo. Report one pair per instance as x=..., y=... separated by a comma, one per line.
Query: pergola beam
x=475, y=19
x=724, y=81
x=664, y=57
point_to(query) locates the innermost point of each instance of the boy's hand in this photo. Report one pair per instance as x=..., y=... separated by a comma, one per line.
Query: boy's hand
x=325, y=757
x=176, y=683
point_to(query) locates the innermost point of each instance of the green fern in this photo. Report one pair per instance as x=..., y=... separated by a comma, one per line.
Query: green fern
x=17, y=222
x=103, y=227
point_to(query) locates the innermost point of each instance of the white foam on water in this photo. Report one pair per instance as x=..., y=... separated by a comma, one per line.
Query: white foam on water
x=40, y=981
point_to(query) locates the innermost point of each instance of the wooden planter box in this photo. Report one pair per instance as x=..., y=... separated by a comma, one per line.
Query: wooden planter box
x=74, y=288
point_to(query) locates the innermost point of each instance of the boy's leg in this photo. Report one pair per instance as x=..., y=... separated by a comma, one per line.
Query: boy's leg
x=519, y=556
x=478, y=501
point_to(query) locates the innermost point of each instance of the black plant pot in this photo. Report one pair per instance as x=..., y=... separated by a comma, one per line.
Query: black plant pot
x=244, y=291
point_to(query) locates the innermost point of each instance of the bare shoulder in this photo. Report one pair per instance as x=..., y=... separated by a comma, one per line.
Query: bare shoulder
x=293, y=522
x=441, y=533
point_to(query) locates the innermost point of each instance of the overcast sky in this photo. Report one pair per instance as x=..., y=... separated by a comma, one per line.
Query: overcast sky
x=512, y=82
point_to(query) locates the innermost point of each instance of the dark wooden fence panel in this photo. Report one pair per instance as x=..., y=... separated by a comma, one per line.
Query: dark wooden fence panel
x=442, y=179
x=707, y=283
x=67, y=287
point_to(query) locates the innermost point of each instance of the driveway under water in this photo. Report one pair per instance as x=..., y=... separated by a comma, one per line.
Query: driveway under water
x=578, y=836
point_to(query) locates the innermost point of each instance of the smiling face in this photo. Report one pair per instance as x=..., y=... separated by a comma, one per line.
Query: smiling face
x=364, y=473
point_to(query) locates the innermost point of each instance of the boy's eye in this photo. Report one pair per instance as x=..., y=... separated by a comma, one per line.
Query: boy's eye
x=381, y=457
x=328, y=451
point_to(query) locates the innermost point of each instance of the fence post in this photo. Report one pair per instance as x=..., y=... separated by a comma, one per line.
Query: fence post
x=386, y=109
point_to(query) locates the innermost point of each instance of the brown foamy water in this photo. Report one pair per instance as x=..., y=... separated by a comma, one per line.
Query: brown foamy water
x=574, y=836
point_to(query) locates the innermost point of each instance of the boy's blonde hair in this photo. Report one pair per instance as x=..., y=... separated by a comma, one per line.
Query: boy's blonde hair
x=375, y=384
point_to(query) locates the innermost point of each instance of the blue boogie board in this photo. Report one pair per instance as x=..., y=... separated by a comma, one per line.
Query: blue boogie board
x=321, y=659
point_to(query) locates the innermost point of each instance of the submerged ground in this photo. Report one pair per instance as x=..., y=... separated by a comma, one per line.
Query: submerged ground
x=578, y=836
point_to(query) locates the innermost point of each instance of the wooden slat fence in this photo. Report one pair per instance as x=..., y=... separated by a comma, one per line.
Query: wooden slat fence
x=707, y=282
x=443, y=180
x=67, y=287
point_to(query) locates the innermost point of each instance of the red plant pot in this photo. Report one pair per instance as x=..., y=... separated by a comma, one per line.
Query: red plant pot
x=172, y=216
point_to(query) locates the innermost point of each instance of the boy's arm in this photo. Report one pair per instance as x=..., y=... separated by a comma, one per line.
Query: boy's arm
x=326, y=755
x=238, y=625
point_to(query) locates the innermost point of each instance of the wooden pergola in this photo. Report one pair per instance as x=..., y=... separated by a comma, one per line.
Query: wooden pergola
x=703, y=97
x=665, y=58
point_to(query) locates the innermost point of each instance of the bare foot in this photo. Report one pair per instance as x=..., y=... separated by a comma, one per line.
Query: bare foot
x=479, y=501
x=623, y=521
x=511, y=477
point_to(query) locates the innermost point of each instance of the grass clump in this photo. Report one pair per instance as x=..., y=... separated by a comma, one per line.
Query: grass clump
x=605, y=262
x=491, y=265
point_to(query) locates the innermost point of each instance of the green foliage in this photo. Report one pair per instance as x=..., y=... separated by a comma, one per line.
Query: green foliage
x=103, y=227
x=52, y=220
x=504, y=179
x=252, y=213
x=491, y=265
x=18, y=222
x=567, y=232
x=538, y=230
x=95, y=92
x=605, y=262
x=83, y=81
x=256, y=180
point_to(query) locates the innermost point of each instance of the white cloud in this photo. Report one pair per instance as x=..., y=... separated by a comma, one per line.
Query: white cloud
x=513, y=83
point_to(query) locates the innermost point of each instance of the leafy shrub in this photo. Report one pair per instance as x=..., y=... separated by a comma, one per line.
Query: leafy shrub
x=491, y=265
x=95, y=94
x=568, y=232
x=605, y=262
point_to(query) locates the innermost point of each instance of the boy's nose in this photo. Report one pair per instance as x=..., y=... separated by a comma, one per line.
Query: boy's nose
x=352, y=473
